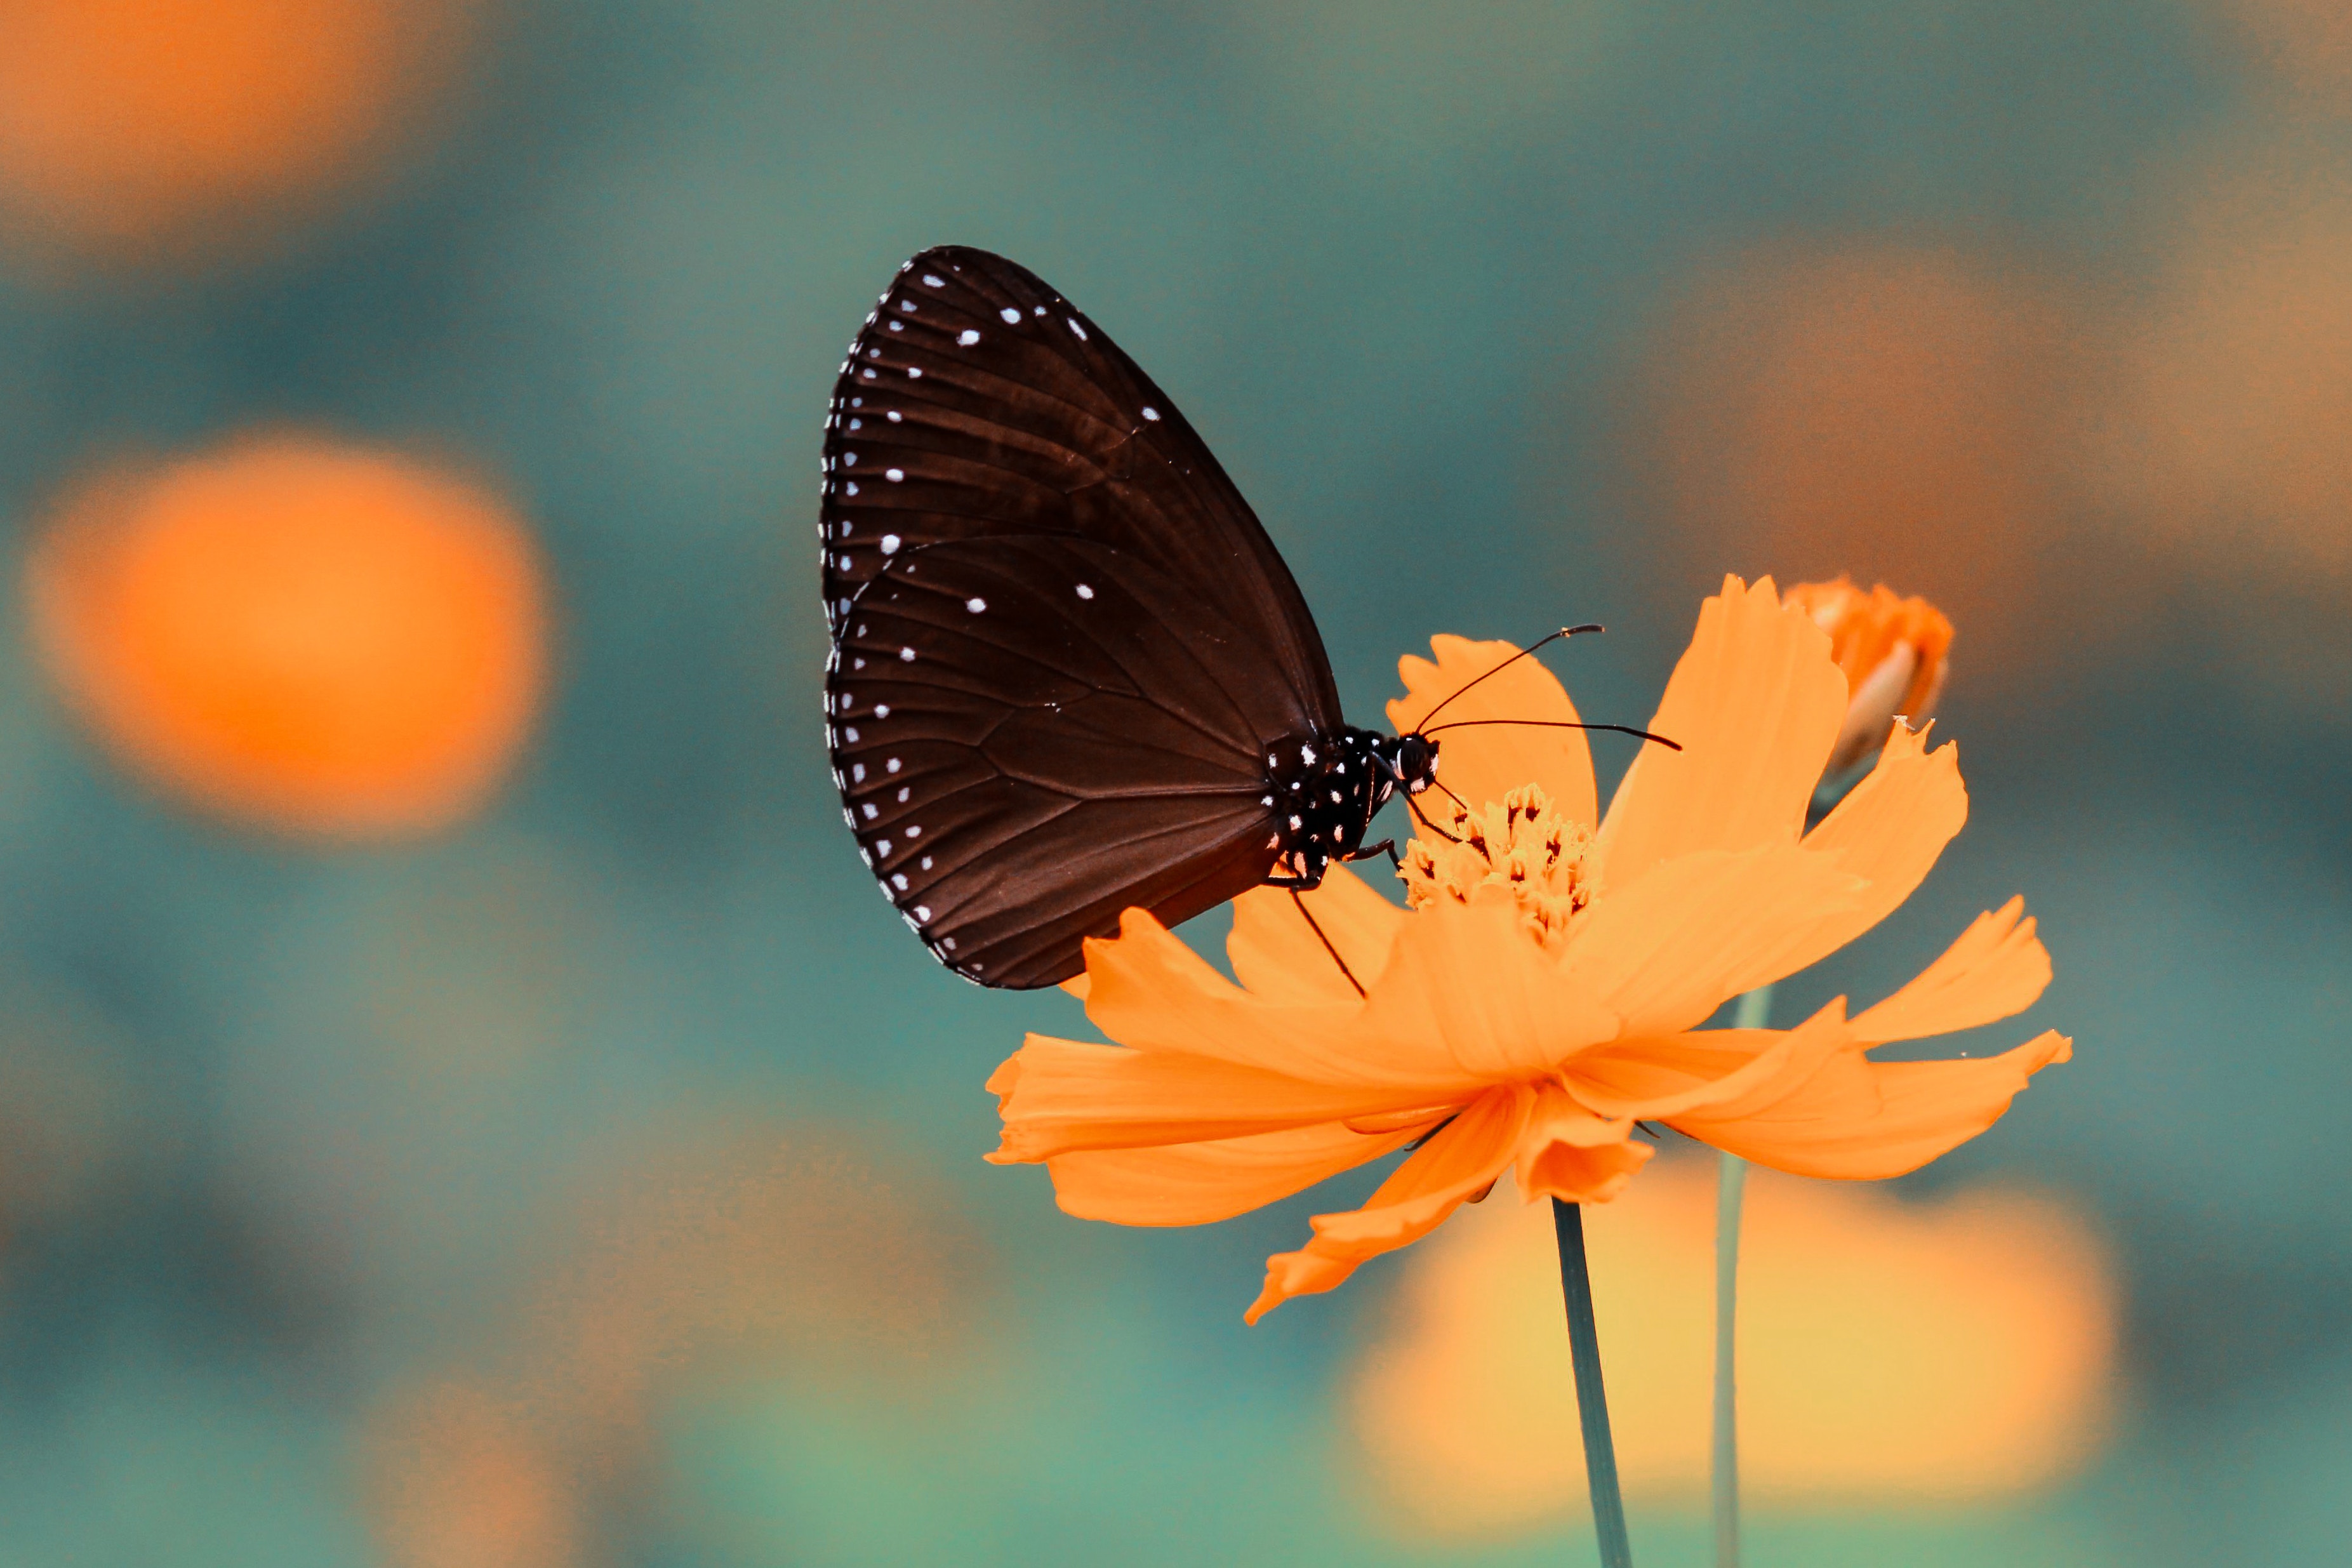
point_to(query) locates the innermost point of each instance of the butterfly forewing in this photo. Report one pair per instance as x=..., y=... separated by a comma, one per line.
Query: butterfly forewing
x=1013, y=412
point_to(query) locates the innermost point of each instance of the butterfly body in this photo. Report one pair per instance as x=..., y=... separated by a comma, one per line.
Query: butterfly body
x=1069, y=672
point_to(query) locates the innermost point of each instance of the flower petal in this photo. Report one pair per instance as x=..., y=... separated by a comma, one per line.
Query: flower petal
x=1461, y=1160
x=1569, y=1154
x=1198, y=1183
x=1473, y=994
x=1756, y=704
x=1651, y=1079
x=1276, y=954
x=1888, y=831
x=1484, y=762
x=1997, y=969
x=1055, y=1096
x=1151, y=991
x=1667, y=952
x=1925, y=1109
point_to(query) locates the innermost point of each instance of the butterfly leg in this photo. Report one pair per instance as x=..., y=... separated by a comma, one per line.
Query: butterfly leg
x=1385, y=846
x=1315, y=927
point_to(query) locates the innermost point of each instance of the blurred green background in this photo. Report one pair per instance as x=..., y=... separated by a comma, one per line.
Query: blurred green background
x=595, y=1179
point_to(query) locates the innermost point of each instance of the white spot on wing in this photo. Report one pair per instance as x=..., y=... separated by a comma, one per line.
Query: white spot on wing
x=1012, y=317
x=892, y=765
x=933, y=280
x=895, y=476
x=1077, y=329
x=914, y=830
x=889, y=544
x=1150, y=412
x=1085, y=592
x=907, y=654
x=967, y=337
x=923, y=912
x=975, y=605
x=871, y=810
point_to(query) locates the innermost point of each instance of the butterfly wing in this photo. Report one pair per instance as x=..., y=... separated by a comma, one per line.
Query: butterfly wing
x=1031, y=742
x=1092, y=737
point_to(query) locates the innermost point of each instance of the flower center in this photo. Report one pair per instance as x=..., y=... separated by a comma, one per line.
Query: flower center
x=1523, y=845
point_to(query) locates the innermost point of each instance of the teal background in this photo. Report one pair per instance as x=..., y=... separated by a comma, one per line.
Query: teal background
x=345, y=1128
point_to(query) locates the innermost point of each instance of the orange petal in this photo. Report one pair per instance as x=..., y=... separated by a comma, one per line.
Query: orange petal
x=1756, y=704
x=1569, y=1154
x=1822, y=1060
x=1485, y=762
x=1667, y=952
x=1148, y=990
x=1925, y=1109
x=1060, y=1095
x=1651, y=1079
x=1996, y=970
x=1198, y=1183
x=1470, y=994
x=1888, y=831
x=1276, y=954
x=1459, y=1161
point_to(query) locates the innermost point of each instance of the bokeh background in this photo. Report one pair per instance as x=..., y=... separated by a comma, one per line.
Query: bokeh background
x=460, y=1105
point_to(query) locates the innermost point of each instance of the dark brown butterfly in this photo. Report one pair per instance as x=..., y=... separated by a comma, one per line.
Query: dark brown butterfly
x=1069, y=672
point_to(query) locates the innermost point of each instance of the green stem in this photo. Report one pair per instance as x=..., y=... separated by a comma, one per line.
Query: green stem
x=1591, y=1401
x=1730, y=1188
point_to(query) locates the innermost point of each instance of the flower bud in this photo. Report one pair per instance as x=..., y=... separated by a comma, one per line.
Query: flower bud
x=1893, y=652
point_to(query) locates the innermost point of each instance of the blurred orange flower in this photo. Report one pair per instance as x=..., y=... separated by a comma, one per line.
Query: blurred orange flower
x=135, y=128
x=458, y=1480
x=1546, y=989
x=1890, y=1352
x=1893, y=653
x=322, y=638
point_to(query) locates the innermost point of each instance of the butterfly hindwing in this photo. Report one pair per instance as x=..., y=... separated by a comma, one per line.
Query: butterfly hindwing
x=1029, y=742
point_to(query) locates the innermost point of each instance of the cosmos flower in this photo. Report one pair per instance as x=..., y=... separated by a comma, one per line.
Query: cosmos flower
x=1893, y=651
x=1544, y=989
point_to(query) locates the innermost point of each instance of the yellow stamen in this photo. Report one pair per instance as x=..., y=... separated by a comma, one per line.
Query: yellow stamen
x=1522, y=845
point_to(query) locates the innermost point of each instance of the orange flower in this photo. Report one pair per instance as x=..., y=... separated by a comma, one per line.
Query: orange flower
x=1545, y=990
x=1893, y=652
x=155, y=130
x=326, y=639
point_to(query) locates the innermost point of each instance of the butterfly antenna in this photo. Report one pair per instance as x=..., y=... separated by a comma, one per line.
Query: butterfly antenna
x=1300, y=899
x=1557, y=724
x=1539, y=642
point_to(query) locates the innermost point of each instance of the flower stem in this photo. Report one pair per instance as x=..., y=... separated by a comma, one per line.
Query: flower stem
x=1591, y=1401
x=1730, y=1188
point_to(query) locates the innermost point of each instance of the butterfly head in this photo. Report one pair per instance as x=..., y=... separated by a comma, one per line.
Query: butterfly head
x=1413, y=760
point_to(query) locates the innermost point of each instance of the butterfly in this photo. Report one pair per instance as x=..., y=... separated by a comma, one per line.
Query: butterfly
x=1069, y=673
